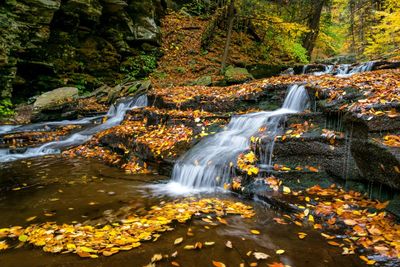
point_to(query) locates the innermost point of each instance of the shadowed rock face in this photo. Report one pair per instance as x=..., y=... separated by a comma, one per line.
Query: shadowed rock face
x=52, y=43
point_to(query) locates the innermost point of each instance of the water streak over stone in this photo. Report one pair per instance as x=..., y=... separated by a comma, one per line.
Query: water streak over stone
x=207, y=164
x=115, y=115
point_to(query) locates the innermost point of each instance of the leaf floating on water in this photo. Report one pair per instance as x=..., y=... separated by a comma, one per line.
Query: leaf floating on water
x=228, y=244
x=367, y=261
x=280, y=251
x=31, y=218
x=223, y=221
x=156, y=257
x=218, y=264
x=255, y=232
x=124, y=235
x=23, y=238
x=178, y=241
x=209, y=243
x=333, y=243
x=260, y=256
x=3, y=245
x=174, y=263
x=286, y=190
x=276, y=264
x=302, y=235
x=327, y=236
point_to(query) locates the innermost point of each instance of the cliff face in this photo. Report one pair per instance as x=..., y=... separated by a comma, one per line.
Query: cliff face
x=46, y=44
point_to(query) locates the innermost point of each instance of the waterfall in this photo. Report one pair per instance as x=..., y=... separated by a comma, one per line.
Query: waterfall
x=208, y=164
x=345, y=71
x=114, y=116
x=328, y=69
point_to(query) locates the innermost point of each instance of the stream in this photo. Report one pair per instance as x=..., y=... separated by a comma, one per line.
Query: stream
x=49, y=187
x=79, y=190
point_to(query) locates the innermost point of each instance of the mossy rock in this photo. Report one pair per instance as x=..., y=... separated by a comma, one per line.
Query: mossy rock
x=203, y=80
x=237, y=75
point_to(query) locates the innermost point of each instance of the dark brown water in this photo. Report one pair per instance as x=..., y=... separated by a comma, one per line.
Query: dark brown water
x=82, y=190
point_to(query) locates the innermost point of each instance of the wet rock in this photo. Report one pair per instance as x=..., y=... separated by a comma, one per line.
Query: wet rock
x=237, y=75
x=377, y=162
x=75, y=38
x=55, y=105
x=346, y=59
x=259, y=71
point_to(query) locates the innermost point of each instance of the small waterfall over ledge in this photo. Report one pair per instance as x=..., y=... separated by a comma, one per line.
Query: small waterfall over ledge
x=208, y=164
x=114, y=116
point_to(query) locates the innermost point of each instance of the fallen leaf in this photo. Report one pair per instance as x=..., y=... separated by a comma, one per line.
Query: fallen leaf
x=255, y=232
x=156, y=257
x=218, y=264
x=178, y=241
x=260, y=256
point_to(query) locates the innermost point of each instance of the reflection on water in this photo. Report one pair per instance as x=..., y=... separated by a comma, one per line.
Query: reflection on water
x=71, y=190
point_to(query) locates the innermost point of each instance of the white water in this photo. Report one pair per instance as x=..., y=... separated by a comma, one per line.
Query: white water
x=115, y=116
x=7, y=128
x=346, y=72
x=207, y=164
x=342, y=70
x=328, y=70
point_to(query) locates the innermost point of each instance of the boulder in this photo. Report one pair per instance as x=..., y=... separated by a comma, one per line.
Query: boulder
x=56, y=97
x=237, y=75
x=203, y=80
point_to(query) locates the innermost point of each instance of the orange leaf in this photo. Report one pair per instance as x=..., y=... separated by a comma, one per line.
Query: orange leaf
x=218, y=264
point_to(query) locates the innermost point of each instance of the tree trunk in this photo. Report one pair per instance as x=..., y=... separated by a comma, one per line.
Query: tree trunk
x=231, y=18
x=313, y=25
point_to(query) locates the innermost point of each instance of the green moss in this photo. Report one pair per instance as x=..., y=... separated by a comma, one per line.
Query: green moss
x=6, y=108
x=139, y=66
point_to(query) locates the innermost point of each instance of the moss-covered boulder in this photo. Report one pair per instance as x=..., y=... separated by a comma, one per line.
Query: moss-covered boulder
x=237, y=75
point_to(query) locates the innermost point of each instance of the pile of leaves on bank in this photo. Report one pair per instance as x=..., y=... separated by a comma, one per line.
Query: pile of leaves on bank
x=92, y=241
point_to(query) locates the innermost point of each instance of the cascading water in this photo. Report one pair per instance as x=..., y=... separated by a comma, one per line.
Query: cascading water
x=328, y=70
x=345, y=71
x=114, y=116
x=207, y=164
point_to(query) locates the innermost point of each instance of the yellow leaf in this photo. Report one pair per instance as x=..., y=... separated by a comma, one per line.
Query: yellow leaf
x=3, y=245
x=286, y=190
x=302, y=235
x=178, y=241
x=156, y=257
x=280, y=251
x=31, y=218
x=23, y=238
x=367, y=261
x=255, y=232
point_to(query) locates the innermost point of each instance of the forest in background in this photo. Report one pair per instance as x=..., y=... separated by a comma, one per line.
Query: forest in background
x=307, y=30
x=65, y=45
